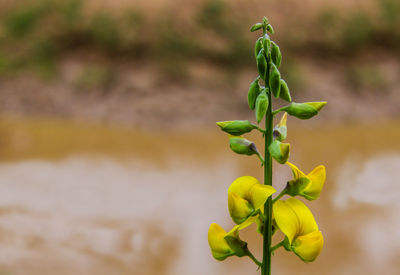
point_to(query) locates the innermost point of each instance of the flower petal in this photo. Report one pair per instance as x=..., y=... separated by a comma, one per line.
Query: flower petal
x=286, y=219
x=317, y=177
x=239, y=208
x=258, y=195
x=296, y=171
x=243, y=225
x=219, y=247
x=309, y=246
x=305, y=218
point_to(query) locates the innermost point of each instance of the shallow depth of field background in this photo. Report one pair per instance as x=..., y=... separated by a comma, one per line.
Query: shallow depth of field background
x=110, y=159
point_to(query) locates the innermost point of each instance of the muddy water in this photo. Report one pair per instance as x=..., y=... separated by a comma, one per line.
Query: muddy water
x=89, y=199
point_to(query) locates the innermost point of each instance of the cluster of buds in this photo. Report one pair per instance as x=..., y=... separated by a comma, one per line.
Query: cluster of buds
x=247, y=197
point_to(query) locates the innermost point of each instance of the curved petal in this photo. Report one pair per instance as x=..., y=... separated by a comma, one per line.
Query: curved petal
x=235, y=231
x=286, y=219
x=258, y=195
x=317, y=177
x=219, y=247
x=296, y=171
x=242, y=185
x=309, y=246
x=305, y=218
x=239, y=208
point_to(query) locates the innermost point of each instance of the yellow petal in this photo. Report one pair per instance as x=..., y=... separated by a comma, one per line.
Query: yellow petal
x=243, y=225
x=317, y=177
x=309, y=246
x=250, y=189
x=239, y=208
x=296, y=171
x=286, y=219
x=304, y=216
x=219, y=247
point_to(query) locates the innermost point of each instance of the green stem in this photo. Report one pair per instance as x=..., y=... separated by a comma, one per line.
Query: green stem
x=261, y=130
x=261, y=159
x=276, y=246
x=251, y=256
x=279, y=196
x=278, y=110
x=266, y=264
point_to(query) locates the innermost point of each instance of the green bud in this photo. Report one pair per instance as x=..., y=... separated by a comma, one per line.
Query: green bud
x=267, y=44
x=275, y=80
x=254, y=91
x=261, y=105
x=276, y=55
x=256, y=27
x=304, y=110
x=284, y=92
x=279, y=151
x=242, y=146
x=270, y=29
x=237, y=245
x=280, y=130
x=261, y=64
x=236, y=127
x=258, y=47
x=265, y=21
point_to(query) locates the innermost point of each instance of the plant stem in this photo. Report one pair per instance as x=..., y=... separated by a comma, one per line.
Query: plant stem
x=251, y=256
x=275, y=247
x=266, y=264
x=279, y=196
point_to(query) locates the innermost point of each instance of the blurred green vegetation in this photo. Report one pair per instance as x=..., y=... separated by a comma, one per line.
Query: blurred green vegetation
x=35, y=34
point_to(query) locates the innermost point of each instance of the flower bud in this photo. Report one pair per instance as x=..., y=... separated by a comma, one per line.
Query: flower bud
x=275, y=80
x=284, y=92
x=261, y=105
x=304, y=110
x=276, y=55
x=254, y=91
x=242, y=146
x=236, y=127
x=280, y=130
x=261, y=64
x=258, y=47
x=220, y=248
x=279, y=151
x=267, y=44
x=256, y=27
x=270, y=29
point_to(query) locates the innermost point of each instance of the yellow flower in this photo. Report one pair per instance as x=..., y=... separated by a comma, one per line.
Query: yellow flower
x=246, y=196
x=220, y=249
x=296, y=221
x=308, y=186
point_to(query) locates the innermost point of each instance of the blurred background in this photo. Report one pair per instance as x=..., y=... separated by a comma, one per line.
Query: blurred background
x=111, y=162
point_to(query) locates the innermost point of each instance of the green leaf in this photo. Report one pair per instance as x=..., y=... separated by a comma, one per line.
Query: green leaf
x=276, y=55
x=279, y=151
x=304, y=110
x=261, y=105
x=236, y=127
x=254, y=91
x=284, y=92
x=275, y=80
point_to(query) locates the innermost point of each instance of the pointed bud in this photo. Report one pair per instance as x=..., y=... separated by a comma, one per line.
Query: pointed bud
x=256, y=27
x=261, y=105
x=267, y=44
x=279, y=151
x=276, y=55
x=275, y=80
x=280, y=130
x=304, y=110
x=242, y=146
x=284, y=92
x=258, y=47
x=236, y=127
x=270, y=29
x=261, y=64
x=254, y=91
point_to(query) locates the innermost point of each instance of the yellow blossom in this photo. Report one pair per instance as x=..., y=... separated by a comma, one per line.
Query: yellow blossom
x=296, y=221
x=246, y=196
x=308, y=186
